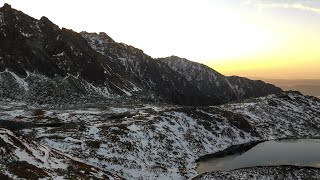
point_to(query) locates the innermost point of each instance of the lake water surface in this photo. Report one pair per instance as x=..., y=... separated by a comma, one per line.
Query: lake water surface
x=302, y=152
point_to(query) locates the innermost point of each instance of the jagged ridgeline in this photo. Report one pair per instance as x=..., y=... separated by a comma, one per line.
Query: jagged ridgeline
x=40, y=62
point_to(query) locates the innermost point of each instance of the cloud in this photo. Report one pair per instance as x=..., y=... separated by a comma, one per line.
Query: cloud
x=298, y=5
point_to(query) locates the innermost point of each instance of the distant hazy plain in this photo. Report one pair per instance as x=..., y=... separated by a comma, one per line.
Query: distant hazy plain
x=305, y=86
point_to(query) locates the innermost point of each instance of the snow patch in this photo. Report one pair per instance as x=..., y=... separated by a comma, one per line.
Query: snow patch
x=22, y=83
x=59, y=54
x=94, y=131
x=133, y=127
x=2, y=21
x=25, y=34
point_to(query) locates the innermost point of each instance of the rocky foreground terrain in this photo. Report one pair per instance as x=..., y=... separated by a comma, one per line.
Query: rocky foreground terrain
x=149, y=141
x=81, y=106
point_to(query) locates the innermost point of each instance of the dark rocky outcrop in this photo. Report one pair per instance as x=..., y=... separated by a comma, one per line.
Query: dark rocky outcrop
x=217, y=86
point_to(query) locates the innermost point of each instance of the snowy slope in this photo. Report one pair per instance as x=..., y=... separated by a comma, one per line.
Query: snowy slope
x=152, y=141
x=23, y=158
x=142, y=141
x=285, y=115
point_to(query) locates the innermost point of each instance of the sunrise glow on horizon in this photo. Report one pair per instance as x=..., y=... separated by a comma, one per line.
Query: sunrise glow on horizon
x=250, y=38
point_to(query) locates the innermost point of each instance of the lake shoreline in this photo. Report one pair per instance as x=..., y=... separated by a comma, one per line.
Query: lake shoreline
x=288, y=152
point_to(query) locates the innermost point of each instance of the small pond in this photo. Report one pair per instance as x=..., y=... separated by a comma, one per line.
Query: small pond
x=301, y=152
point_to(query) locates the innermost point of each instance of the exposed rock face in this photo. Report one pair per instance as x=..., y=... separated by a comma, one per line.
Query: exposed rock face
x=41, y=62
x=217, y=86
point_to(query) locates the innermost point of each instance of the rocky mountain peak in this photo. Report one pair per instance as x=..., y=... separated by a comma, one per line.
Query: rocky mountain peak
x=174, y=61
x=104, y=35
x=45, y=20
x=6, y=7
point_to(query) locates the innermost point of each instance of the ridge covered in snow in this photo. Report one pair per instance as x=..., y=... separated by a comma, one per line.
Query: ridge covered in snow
x=38, y=56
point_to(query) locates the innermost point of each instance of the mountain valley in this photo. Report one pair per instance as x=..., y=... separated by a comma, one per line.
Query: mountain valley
x=82, y=106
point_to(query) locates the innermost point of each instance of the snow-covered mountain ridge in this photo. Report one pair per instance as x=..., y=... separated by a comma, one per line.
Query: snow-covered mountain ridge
x=40, y=62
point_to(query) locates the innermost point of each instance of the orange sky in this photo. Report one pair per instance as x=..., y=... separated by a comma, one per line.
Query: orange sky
x=253, y=38
x=291, y=49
